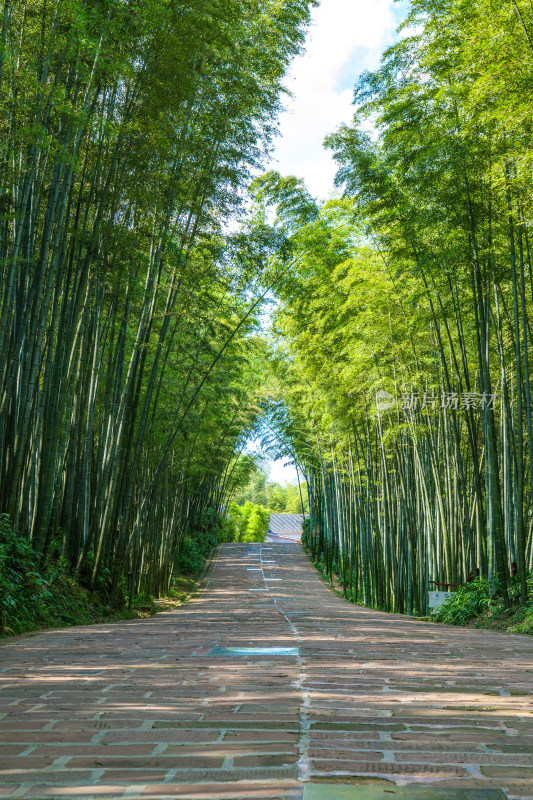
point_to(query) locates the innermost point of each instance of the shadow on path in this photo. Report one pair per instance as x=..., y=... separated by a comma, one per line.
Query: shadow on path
x=184, y=705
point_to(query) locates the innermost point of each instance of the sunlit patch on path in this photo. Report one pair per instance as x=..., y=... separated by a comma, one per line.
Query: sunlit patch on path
x=258, y=688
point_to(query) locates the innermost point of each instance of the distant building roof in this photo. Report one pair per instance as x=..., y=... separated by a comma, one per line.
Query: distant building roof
x=285, y=523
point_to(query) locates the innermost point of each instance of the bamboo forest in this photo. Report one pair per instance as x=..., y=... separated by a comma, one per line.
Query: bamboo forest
x=168, y=296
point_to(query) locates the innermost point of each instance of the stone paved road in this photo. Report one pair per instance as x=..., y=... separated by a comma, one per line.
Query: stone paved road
x=142, y=709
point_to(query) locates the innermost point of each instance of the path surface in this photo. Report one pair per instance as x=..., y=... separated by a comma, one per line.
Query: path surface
x=143, y=709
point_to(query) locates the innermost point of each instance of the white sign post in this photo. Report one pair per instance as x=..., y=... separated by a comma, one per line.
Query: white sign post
x=436, y=599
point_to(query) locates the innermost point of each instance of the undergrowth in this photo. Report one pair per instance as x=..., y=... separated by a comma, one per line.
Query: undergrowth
x=472, y=605
x=36, y=596
x=198, y=544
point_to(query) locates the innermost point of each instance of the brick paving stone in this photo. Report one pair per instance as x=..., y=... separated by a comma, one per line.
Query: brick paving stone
x=345, y=754
x=352, y=736
x=141, y=709
x=53, y=777
x=10, y=737
x=39, y=790
x=264, y=760
x=507, y=772
x=260, y=736
x=163, y=761
x=228, y=791
x=95, y=724
x=160, y=735
x=428, y=771
x=11, y=750
x=96, y=750
x=228, y=749
x=462, y=758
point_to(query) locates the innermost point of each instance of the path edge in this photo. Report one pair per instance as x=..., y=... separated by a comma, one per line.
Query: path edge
x=196, y=589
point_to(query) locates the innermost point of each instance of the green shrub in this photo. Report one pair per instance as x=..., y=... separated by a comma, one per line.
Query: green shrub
x=198, y=543
x=251, y=522
x=34, y=596
x=191, y=556
x=228, y=530
x=467, y=602
x=472, y=601
x=257, y=525
x=18, y=574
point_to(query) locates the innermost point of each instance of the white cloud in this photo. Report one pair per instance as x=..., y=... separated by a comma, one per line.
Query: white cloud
x=346, y=37
x=281, y=472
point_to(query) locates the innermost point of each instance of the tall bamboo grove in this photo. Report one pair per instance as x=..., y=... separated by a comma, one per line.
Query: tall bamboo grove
x=127, y=131
x=403, y=339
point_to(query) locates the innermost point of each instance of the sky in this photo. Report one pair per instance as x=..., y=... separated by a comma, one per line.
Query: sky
x=345, y=38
